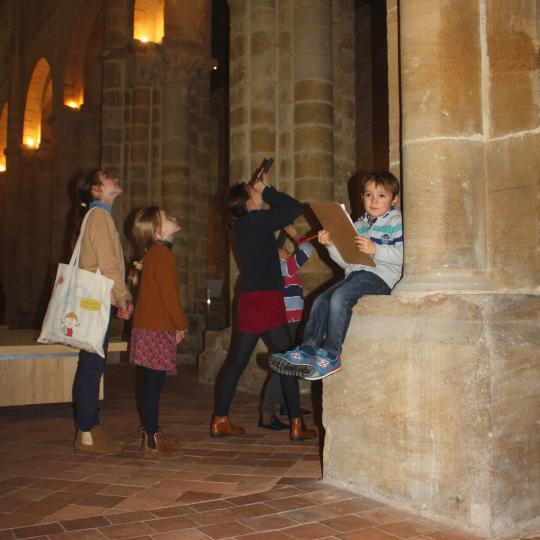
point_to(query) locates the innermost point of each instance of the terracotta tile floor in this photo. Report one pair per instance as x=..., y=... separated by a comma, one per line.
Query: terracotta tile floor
x=259, y=486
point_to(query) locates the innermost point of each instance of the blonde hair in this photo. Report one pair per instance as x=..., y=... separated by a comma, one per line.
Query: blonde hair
x=145, y=224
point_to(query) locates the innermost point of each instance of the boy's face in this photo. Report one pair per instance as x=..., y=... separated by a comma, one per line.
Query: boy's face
x=377, y=199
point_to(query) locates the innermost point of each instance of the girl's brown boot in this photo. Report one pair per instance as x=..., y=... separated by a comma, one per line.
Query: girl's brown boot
x=164, y=447
x=299, y=432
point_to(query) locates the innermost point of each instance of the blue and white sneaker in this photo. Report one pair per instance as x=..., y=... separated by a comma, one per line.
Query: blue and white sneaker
x=296, y=363
x=323, y=366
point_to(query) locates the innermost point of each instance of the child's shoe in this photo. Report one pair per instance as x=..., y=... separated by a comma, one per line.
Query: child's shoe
x=299, y=432
x=323, y=367
x=296, y=363
x=163, y=447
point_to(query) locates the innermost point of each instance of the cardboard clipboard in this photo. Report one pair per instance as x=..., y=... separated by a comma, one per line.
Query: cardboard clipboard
x=335, y=219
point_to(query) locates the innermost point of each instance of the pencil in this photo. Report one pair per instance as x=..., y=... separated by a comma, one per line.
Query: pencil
x=312, y=237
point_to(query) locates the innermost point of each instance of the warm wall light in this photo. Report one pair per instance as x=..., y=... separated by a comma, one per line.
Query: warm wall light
x=2, y=167
x=149, y=20
x=29, y=141
x=72, y=104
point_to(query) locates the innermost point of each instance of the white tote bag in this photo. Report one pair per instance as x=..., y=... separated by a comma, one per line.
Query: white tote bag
x=80, y=305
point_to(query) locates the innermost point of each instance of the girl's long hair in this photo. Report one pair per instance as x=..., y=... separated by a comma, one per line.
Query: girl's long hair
x=145, y=222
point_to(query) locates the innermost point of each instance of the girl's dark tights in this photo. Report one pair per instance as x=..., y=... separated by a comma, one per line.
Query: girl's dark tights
x=242, y=347
x=154, y=381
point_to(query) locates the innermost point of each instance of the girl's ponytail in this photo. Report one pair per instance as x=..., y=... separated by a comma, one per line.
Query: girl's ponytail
x=144, y=225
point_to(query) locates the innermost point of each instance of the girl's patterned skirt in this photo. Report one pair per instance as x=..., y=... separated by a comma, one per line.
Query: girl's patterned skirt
x=154, y=349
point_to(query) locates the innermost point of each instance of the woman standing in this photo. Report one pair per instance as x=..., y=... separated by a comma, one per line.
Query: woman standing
x=100, y=249
x=260, y=308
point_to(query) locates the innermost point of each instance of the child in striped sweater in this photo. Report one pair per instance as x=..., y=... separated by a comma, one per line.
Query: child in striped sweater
x=294, y=306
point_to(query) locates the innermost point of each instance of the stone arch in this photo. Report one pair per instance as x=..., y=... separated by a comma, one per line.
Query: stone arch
x=75, y=91
x=39, y=95
x=149, y=20
x=3, y=136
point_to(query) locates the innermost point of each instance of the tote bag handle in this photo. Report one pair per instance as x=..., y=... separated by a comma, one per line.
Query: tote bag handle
x=75, y=256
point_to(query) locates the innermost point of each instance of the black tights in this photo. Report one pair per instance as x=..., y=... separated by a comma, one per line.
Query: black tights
x=242, y=347
x=154, y=381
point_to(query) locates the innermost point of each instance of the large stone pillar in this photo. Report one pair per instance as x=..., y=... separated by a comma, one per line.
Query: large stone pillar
x=437, y=404
x=314, y=100
x=118, y=32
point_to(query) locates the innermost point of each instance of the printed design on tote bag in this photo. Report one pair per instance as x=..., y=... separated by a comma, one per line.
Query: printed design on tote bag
x=69, y=322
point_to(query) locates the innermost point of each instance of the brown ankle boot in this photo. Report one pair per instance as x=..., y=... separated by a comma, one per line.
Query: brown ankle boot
x=299, y=432
x=96, y=441
x=221, y=426
x=165, y=448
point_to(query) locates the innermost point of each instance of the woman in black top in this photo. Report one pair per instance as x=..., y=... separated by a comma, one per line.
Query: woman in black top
x=260, y=308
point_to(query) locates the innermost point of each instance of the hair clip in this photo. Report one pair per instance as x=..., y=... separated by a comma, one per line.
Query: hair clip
x=137, y=265
x=84, y=205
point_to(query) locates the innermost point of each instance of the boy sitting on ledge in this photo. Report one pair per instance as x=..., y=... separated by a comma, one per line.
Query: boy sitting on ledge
x=380, y=235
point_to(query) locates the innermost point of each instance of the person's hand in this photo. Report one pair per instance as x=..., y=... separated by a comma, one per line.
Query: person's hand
x=124, y=310
x=180, y=335
x=291, y=231
x=324, y=238
x=365, y=245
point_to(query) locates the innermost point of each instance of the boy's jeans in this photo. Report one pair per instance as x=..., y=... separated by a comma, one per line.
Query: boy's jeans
x=331, y=313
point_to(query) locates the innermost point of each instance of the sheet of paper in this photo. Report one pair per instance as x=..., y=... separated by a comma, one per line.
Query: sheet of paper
x=335, y=219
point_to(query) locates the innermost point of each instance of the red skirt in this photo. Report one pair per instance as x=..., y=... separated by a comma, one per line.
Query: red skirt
x=258, y=311
x=154, y=349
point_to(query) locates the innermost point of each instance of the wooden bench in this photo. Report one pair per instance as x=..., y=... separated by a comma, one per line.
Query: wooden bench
x=32, y=372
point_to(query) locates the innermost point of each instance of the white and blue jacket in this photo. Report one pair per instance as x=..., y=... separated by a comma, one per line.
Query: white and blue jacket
x=387, y=233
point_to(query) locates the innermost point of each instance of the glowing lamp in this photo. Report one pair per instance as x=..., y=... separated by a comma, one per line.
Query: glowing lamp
x=2, y=167
x=29, y=141
x=144, y=39
x=72, y=105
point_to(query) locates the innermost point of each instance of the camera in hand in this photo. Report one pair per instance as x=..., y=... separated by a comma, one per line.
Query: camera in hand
x=263, y=168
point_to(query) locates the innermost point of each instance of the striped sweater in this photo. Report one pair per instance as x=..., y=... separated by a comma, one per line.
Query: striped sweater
x=387, y=233
x=293, y=290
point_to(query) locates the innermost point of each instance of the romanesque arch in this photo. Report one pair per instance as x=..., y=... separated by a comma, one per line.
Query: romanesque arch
x=149, y=20
x=38, y=98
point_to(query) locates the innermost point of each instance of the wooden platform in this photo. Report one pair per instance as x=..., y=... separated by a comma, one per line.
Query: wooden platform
x=32, y=372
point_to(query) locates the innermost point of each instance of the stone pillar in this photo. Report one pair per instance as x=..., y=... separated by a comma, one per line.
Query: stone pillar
x=437, y=402
x=142, y=124
x=313, y=98
x=66, y=129
x=180, y=72
x=118, y=32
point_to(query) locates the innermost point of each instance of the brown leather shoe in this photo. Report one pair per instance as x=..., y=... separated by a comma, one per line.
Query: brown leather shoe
x=299, y=432
x=96, y=441
x=221, y=427
x=165, y=448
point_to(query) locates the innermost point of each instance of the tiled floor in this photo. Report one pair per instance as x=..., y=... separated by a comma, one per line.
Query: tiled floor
x=259, y=486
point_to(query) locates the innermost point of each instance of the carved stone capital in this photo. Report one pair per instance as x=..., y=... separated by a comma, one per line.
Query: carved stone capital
x=183, y=68
x=144, y=66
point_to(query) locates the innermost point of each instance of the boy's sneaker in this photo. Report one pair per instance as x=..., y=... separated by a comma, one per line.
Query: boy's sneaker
x=296, y=363
x=323, y=367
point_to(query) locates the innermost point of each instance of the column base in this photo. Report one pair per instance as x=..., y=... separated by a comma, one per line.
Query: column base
x=436, y=409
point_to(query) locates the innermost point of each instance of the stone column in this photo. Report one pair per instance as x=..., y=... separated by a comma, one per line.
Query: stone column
x=118, y=32
x=313, y=98
x=443, y=147
x=180, y=71
x=438, y=398
x=66, y=129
